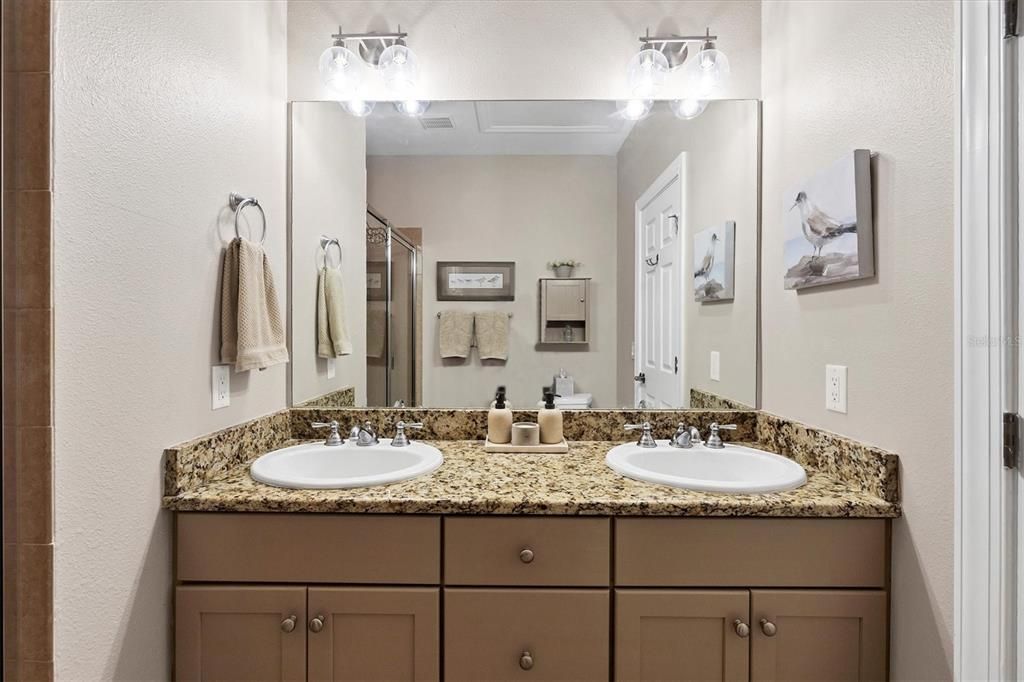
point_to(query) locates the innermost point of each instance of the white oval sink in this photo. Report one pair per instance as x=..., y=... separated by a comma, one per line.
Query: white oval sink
x=315, y=465
x=732, y=469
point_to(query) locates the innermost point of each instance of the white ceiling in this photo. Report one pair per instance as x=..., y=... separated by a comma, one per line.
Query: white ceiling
x=589, y=128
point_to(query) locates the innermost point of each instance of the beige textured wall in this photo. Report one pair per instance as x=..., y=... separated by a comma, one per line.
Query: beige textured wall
x=160, y=110
x=528, y=209
x=839, y=76
x=722, y=149
x=328, y=165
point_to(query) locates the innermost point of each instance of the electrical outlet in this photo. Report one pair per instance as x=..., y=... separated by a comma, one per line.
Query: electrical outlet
x=716, y=366
x=332, y=368
x=835, y=388
x=221, y=386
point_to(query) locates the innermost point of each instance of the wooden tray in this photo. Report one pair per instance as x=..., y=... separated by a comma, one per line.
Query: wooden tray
x=554, y=448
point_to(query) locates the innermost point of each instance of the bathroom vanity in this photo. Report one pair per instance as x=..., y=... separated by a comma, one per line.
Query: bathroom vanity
x=546, y=567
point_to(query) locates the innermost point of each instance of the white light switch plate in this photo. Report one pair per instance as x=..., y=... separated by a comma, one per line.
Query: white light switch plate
x=331, y=368
x=835, y=388
x=221, y=386
x=716, y=366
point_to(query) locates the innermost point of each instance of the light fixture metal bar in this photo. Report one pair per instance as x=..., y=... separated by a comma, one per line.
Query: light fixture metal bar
x=370, y=36
x=677, y=39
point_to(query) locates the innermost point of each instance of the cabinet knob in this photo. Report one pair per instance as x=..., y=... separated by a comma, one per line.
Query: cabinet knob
x=288, y=624
x=526, y=661
x=768, y=628
x=526, y=556
x=317, y=624
x=741, y=628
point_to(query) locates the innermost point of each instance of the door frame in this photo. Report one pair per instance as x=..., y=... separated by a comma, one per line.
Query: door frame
x=676, y=168
x=986, y=263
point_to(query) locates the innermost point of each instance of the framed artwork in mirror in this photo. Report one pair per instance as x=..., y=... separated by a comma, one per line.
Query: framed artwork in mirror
x=827, y=226
x=476, y=281
x=376, y=273
x=714, y=256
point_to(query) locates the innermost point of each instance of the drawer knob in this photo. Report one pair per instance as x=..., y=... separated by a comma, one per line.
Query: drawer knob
x=288, y=624
x=742, y=629
x=526, y=660
x=768, y=628
x=526, y=556
x=317, y=624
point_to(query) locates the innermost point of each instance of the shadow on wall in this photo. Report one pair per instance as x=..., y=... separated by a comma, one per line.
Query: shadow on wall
x=915, y=634
x=152, y=595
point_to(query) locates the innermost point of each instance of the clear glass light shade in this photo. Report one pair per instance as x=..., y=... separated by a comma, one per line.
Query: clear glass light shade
x=340, y=70
x=635, y=109
x=412, y=107
x=358, y=107
x=688, y=108
x=400, y=69
x=712, y=71
x=646, y=72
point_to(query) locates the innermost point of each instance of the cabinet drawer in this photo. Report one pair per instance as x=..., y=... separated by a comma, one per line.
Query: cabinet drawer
x=527, y=551
x=308, y=548
x=751, y=552
x=526, y=634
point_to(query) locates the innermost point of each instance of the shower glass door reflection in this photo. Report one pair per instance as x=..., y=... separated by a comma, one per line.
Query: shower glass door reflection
x=393, y=318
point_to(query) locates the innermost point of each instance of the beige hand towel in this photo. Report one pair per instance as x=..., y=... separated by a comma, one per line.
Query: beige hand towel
x=456, y=333
x=251, y=331
x=332, y=339
x=376, y=331
x=492, y=335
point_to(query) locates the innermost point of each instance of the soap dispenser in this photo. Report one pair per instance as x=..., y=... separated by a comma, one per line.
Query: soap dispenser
x=550, y=421
x=499, y=420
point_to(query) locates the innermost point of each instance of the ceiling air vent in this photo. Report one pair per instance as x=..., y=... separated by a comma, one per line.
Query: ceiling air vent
x=436, y=123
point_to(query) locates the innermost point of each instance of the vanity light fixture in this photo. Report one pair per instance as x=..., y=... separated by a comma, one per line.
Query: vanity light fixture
x=660, y=55
x=387, y=53
x=635, y=109
x=688, y=108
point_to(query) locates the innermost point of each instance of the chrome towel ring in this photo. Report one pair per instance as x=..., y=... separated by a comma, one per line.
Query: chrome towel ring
x=238, y=203
x=325, y=244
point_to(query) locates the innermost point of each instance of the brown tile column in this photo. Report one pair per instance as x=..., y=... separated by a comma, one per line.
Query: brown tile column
x=27, y=342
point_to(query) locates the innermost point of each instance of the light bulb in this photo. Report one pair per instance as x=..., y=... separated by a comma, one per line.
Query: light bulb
x=412, y=107
x=688, y=108
x=635, y=109
x=398, y=65
x=340, y=70
x=712, y=69
x=646, y=72
x=358, y=107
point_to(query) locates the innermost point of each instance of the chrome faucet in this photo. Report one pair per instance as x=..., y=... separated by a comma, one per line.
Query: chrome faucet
x=714, y=440
x=365, y=434
x=401, y=440
x=646, y=439
x=333, y=438
x=685, y=437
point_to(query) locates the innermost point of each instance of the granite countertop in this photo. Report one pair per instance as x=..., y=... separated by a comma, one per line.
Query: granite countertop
x=578, y=483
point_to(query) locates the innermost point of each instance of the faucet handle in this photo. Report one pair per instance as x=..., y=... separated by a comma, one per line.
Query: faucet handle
x=333, y=438
x=401, y=440
x=646, y=439
x=714, y=440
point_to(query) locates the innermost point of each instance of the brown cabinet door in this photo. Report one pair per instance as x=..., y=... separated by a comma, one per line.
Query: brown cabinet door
x=384, y=633
x=566, y=300
x=532, y=635
x=682, y=635
x=818, y=635
x=240, y=633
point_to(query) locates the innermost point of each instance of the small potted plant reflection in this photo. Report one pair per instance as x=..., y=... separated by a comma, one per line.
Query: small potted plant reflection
x=564, y=268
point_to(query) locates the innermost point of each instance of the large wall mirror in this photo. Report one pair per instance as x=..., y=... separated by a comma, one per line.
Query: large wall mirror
x=526, y=244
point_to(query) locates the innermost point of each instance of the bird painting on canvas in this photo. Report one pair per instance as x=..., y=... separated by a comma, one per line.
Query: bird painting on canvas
x=709, y=260
x=713, y=252
x=819, y=228
x=827, y=225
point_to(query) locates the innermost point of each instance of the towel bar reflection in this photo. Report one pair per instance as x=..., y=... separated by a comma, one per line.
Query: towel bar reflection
x=325, y=243
x=238, y=203
x=439, y=316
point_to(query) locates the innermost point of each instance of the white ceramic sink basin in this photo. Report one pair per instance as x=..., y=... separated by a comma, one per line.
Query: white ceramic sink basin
x=315, y=465
x=732, y=469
